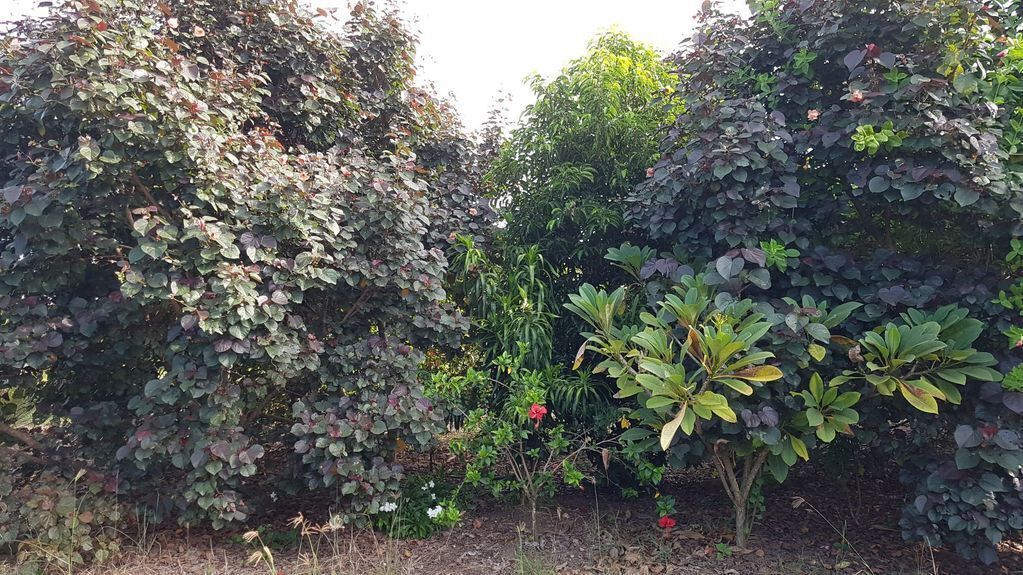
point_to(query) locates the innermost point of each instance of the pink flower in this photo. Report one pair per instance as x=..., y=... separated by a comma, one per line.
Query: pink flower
x=536, y=413
x=666, y=522
x=1003, y=53
x=813, y=114
x=857, y=96
x=649, y=172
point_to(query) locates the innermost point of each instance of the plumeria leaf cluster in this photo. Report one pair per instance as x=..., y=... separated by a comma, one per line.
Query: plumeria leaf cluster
x=735, y=380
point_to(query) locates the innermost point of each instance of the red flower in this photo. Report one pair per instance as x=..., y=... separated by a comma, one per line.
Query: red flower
x=536, y=412
x=666, y=522
x=873, y=51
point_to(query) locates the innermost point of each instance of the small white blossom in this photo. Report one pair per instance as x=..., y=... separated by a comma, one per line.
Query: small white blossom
x=434, y=512
x=431, y=484
x=433, y=496
x=273, y=496
x=336, y=522
x=388, y=507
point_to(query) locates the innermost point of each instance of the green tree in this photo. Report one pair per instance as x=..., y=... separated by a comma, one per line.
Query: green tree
x=562, y=176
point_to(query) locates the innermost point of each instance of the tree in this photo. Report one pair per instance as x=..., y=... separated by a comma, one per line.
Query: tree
x=864, y=152
x=734, y=375
x=581, y=147
x=223, y=226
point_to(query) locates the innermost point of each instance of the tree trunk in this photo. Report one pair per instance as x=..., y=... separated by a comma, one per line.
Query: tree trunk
x=741, y=529
x=532, y=516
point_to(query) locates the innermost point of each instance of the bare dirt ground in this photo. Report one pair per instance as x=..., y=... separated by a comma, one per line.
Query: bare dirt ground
x=851, y=531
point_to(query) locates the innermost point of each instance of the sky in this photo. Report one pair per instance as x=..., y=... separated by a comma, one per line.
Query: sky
x=471, y=50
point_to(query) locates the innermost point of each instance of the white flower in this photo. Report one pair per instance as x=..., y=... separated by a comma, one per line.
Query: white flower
x=336, y=522
x=273, y=496
x=430, y=484
x=434, y=512
x=388, y=507
x=433, y=496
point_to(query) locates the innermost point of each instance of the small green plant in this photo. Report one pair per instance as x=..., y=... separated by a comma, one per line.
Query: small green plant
x=273, y=538
x=777, y=254
x=1013, y=380
x=866, y=138
x=519, y=438
x=425, y=506
x=722, y=550
x=802, y=60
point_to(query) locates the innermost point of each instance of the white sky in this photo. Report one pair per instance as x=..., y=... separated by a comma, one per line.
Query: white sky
x=472, y=49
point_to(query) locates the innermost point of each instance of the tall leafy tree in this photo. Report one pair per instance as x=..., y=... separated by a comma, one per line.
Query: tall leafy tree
x=582, y=146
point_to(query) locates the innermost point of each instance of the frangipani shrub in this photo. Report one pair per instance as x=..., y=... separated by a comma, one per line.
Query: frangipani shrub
x=734, y=380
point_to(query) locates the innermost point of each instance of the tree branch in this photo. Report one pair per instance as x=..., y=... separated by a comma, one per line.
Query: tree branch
x=142, y=189
x=358, y=302
x=19, y=435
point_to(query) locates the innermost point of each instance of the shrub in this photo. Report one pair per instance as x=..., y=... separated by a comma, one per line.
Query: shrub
x=766, y=153
x=518, y=437
x=734, y=375
x=425, y=506
x=866, y=152
x=216, y=219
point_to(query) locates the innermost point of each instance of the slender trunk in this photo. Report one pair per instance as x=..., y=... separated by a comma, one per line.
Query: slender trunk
x=741, y=529
x=532, y=516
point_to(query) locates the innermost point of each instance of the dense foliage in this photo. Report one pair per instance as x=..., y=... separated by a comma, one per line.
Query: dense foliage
x=580, y=149
x=865, y=152
x=707, y=357
x=223, y=227
x=226, y=228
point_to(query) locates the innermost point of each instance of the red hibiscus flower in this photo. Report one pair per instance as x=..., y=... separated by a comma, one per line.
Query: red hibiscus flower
x=536, y=413
x=666, y=522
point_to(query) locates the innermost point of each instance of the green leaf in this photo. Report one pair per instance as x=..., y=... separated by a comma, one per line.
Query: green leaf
x=818, y=331
x=799, y=447
x=816, y=351
x=737, y=385
x=814, y=417
x=919, y=398
x=965, y=83
x=762, y=373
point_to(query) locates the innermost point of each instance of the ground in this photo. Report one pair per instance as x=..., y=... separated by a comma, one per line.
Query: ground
x=834, y=530
x=812, y=525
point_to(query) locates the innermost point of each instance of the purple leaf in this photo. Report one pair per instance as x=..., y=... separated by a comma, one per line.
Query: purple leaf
x=754, y=255
x=1013, y=400
x=853, y=59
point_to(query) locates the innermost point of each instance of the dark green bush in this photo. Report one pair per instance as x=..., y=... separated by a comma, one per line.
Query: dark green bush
x=865, y=152
x=222, y=228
